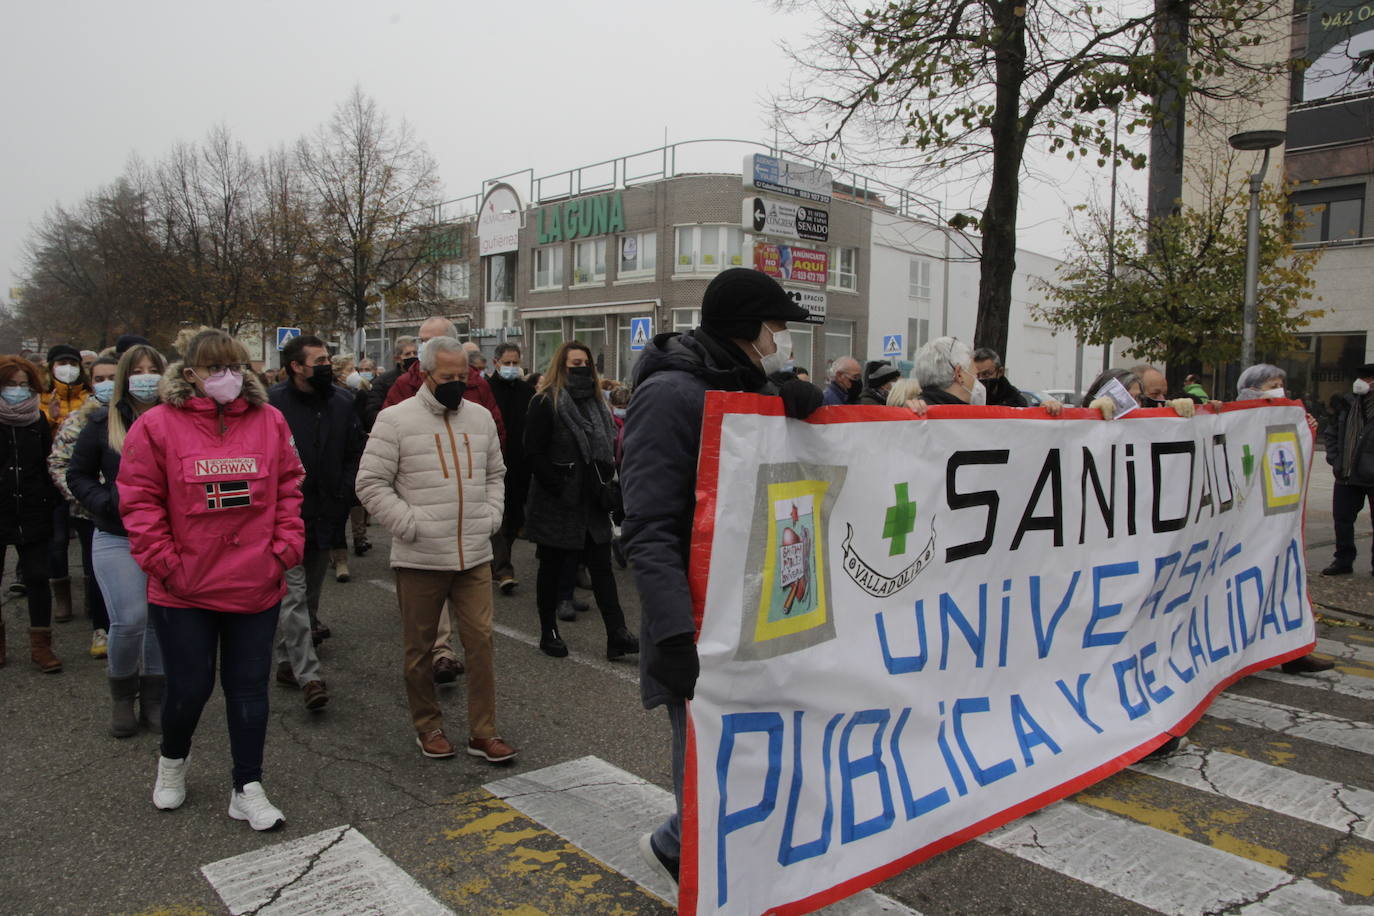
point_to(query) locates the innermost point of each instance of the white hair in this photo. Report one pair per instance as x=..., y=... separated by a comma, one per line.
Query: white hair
x=429, y=353
x=935, y=362
x=838, y=364
x=903, y=390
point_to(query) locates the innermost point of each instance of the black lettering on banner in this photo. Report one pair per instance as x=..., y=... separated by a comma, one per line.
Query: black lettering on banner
x=957, y=500
x=1223, y=505
x=1106, y=503
x=1049, y=471
x=1157, y=451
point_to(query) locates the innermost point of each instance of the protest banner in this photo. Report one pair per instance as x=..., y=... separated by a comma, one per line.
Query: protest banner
x=913, y=631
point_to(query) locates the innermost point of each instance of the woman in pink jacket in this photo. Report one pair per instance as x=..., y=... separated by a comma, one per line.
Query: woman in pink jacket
x=209, y=491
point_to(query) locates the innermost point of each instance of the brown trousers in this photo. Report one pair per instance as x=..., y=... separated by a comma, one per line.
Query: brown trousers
x=421, y=594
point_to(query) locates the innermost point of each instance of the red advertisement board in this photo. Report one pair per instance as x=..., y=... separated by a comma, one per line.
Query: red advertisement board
x=789, y=262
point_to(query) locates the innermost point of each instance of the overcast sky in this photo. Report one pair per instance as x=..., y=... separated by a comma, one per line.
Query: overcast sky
x=491, y=88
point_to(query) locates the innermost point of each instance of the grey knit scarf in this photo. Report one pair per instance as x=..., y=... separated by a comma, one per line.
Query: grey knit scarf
x=590, y=424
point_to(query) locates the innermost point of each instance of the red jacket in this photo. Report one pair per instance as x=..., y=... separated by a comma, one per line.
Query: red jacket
x=478, y=391
x=211, y=498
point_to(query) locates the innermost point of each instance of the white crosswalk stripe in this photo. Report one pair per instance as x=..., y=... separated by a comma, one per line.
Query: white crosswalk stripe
x=1341, y=651
x=1361, y=688
x=1294, y=722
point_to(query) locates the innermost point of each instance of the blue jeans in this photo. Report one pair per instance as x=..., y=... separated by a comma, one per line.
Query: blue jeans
x=133, y=640
x=668, y=835
x=189, y=638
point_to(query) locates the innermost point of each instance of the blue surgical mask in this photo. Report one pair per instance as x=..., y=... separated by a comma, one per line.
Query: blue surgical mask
x=144, y=387
x=104, y=390
x=619, y=412
x=366, y=374
x=16, y=394
x=509, y=373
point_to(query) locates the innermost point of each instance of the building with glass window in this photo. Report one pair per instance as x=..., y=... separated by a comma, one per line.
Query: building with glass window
x=615, y=253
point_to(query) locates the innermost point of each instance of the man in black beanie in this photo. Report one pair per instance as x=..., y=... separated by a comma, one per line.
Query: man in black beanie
x=878, y=378
x=742, y=340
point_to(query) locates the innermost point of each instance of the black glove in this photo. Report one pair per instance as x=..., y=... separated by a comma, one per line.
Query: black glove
x=799, y=399
x=675, y=665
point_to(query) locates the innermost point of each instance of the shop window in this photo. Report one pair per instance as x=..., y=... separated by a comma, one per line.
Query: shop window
x=548, y=267
x=918, y=280
x=638, y=255
x=547, y=334
x=453, y=280
x=839, y=340
x=708, y=249
x=1330, y=214
x=589, y=262
x=501, y=278
x=592, y=332
x=803, y=339
x=844, y=269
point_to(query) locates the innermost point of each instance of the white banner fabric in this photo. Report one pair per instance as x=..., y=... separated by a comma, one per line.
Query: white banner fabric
x=913, y=631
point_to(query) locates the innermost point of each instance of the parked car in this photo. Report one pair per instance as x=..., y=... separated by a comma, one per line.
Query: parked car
x=1066, y=396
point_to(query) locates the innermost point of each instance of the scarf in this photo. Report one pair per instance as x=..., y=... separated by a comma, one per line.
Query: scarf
x=21, y=414
x=1361, y=413
x=590, y=424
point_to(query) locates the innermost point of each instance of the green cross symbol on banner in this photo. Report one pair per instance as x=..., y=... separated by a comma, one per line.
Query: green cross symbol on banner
x=899, y=521
x=1247, y=462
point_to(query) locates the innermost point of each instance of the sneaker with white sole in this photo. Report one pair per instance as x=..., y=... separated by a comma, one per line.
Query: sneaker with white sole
x=100, y=643
x=661, y=864
x=251, y=805
x=170, y=789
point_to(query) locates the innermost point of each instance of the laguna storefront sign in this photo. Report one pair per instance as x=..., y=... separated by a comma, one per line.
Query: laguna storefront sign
x=582, y=217
x=788, y=220
x=789, y=262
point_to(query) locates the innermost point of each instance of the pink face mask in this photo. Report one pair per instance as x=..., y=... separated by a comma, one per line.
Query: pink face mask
x=223, y=386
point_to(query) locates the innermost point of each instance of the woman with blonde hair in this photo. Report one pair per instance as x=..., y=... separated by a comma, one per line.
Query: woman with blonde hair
x=210, y=494
x=570, y=448
x=135, y=659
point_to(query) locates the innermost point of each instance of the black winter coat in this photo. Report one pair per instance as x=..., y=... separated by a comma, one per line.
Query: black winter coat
x=376, y=396
x=658, y=476
x=94, y=468
x=1334, y=438
x=27, y=494
x=513, y=400
x=329, y=440
x=564, y=507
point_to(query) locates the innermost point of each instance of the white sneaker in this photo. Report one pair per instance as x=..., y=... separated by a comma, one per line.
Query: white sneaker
x=100, y=644
x=251, y=805
x=170, y=789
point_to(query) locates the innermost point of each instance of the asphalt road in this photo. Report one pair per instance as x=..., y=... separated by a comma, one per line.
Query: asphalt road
x=78, y=833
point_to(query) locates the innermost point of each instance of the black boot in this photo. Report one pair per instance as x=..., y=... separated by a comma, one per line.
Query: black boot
x=621, y=642
x=551, y=644
x=150, y=688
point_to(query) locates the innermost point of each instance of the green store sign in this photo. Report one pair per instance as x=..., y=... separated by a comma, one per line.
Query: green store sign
x=581, y=217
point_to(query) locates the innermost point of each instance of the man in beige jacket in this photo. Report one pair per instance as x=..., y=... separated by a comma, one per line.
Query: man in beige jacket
x=433, y=475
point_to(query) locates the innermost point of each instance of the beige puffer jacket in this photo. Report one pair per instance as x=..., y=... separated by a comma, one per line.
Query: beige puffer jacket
x=436, y=480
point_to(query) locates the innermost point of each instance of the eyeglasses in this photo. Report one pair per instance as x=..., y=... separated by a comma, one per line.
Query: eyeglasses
x=217, y=368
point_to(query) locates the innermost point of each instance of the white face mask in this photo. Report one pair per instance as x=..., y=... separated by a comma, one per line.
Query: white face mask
x=67, y=374
x=778, y=359
x=1272, y=393
x=1361, y=387
x=977, y=395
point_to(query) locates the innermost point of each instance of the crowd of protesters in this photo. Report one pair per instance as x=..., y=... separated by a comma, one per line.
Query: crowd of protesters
x=211, y=504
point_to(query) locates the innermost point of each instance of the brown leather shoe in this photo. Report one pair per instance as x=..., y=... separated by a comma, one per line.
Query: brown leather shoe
x=446, y=670
x=316, y=696
x=491, y=749
x=285, y=676
x=40, y=650
x=434, y=744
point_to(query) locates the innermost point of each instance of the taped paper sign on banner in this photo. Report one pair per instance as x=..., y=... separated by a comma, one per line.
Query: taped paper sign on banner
x=940, y=625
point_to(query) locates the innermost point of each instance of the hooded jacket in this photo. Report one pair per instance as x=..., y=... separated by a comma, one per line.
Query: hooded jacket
x=435, y=479
x=1336, y=439
x=211, y=498
x=658, y=478
x=476, y=390
x=63, y=401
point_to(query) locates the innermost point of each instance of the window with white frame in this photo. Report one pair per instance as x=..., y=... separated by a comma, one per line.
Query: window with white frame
x=844, y=268
x=802, y=336
x=839, y=340
x=918, y=279
x=501, y=278
x=708, y=249
x=686, y=319
x=638, y=254
x=589, y=262
x=453, y=280
x=548, y=267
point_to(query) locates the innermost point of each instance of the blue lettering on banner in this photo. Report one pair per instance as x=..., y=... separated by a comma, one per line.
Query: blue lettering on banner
x=742, y=723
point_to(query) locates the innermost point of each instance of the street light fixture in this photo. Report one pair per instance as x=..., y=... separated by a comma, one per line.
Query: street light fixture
x=1250, y=141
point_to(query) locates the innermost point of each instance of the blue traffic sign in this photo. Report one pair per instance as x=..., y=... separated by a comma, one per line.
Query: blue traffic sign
x=892, y=345
x=641, y=332
x=284, y=336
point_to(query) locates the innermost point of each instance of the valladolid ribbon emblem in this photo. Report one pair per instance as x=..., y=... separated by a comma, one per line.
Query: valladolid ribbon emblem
x=874, y=582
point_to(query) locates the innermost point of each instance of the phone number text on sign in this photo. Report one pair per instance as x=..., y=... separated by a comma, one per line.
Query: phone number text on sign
x=788, y=262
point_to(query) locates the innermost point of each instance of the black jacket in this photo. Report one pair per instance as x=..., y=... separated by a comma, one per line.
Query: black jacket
x=871, y=397
x=27, y=494
x=329, y=441
x=94, y=468
x=1002, y=393
x=564, y=508
x=513, y=400
x=1337, y=432
x=658, y=477
x=933, y=396
x=376, y=395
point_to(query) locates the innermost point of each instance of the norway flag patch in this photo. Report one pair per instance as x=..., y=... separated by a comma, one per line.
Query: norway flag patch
x=227, y=495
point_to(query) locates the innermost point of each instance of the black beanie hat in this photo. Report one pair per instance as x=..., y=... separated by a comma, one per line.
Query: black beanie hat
x=126, y=341
x=63, y=351
x=738, y=300
x=879, y=372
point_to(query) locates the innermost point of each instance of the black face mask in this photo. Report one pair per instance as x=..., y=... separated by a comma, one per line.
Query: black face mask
x=1151, y=402
x=579, y=382
x=408, y=362
x=450, y=394
x=321, y=378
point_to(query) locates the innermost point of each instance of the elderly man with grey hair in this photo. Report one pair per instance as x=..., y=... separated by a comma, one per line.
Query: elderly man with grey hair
x=944, y=367
x=433, y=475
x=846, y=383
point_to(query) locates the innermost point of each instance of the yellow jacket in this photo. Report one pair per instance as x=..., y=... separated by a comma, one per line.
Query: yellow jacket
x=63, y=401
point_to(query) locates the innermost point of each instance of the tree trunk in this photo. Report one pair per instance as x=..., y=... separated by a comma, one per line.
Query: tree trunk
x=1166, y=134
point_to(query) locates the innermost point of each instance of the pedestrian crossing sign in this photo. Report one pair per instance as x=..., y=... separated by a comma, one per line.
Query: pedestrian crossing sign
x=284, y=336
x=892, y=345
x=641, y=329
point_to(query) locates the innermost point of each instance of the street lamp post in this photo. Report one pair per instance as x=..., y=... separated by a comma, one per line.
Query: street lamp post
x=1253, y=140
